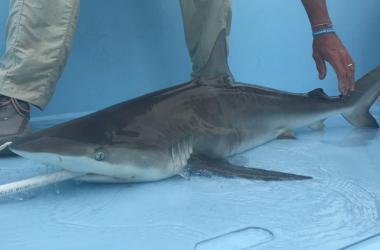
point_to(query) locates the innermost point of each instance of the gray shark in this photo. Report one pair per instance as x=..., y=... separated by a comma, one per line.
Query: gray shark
x=192, y=126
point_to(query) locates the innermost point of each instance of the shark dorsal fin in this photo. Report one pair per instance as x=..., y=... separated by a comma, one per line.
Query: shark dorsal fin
x=318, y=93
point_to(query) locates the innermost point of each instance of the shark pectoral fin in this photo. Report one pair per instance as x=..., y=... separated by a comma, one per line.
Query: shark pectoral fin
x=287, y=135
x=205, y=166
x=317, y=126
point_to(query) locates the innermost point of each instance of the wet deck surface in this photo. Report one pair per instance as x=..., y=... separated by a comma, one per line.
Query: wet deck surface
x=339, y=207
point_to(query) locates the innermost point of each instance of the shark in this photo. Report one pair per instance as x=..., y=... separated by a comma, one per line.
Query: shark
x=191, y=128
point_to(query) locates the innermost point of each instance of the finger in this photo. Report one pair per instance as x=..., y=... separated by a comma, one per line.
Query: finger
x=349, y=65
x=321, y=65
x=345, y=84
x=352, y=70
x=341, y=73
x=351, y=76
x=343, y=87
x=351, y=73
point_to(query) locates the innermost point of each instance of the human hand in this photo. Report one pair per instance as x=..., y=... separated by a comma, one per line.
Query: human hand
x=329, y=48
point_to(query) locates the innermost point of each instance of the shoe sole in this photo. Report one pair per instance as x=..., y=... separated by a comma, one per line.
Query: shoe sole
x=6, y=152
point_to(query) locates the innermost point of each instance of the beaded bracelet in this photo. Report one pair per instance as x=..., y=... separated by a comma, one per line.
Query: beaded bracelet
x=323, y=28
x=324, y=31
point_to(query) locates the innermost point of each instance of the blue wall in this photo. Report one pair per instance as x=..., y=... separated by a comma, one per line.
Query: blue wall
x=271, y=41
x=133, y=47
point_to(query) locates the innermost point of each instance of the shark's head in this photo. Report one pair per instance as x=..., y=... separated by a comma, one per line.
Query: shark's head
x=61, y=152
x=79, y=153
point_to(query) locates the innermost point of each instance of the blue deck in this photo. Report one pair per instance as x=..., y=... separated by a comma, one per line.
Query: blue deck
x=339, y=207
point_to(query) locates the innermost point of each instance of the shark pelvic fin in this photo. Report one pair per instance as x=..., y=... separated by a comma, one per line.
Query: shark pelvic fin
x=205, y=166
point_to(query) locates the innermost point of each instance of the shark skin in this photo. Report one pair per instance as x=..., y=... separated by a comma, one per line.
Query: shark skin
x=192, y=125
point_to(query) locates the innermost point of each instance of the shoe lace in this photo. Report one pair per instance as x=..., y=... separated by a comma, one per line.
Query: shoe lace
x=17, y=106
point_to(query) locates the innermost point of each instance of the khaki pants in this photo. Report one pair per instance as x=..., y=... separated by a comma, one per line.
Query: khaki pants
x=40, y=33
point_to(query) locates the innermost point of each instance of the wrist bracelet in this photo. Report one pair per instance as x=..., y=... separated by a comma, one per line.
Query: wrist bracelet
x=321, y=26
x=324, y=31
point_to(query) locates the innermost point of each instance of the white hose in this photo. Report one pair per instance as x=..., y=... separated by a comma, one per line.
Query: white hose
x=38, y=181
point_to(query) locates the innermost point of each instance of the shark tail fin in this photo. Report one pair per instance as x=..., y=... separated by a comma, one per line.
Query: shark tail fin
x=361, y=100
x=221, y=167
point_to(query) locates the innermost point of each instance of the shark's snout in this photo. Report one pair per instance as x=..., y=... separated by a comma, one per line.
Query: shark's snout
x=25, y=144
x=34, y=148
x=35, y=144
x=50, y=150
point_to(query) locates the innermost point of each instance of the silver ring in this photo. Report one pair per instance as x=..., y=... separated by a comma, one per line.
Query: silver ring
x=350, y=65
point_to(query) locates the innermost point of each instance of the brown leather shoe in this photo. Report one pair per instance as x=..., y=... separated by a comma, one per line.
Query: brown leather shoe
x=14, y=120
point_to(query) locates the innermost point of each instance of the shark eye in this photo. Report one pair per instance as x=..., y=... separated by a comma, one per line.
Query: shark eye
x=99, y=155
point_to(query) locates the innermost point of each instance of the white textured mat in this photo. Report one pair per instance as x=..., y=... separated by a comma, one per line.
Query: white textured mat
x=339, y=207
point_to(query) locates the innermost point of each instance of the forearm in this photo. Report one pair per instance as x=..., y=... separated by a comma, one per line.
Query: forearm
x=327, y=47
x=317, y=12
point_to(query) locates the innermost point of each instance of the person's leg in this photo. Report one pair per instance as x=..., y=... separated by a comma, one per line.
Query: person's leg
x=39, y=36
x=207, y=26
